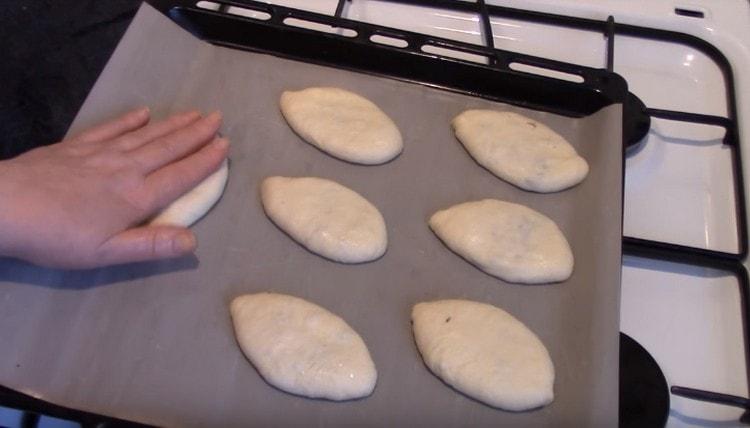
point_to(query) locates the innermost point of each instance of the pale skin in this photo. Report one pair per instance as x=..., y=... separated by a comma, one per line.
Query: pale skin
x=82, y=203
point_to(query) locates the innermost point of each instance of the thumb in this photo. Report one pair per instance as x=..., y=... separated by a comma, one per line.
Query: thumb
x=146, y=243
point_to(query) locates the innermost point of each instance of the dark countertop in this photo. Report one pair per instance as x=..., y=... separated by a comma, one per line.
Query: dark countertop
x=52, y=53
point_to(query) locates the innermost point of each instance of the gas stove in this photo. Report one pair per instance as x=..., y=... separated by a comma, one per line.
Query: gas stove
x=685, y=301
x=684, y=287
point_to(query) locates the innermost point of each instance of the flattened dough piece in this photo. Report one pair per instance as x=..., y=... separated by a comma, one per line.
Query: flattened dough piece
x=520, y=150
x=342, y=124
x=327, y=218
x=484, y=352
x=301, y=348
x=193, y=205
x=506, y=240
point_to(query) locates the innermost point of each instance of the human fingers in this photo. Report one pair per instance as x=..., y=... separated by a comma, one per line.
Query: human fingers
x=177, y=145
x=130, y=121
x=145, y=243
x=152, y=131
x=170, y=182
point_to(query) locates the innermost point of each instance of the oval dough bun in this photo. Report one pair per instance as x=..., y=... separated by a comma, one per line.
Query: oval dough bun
x=506, y=240
x=342, y=124
x=301, y=348
x=485, y=353
x=327, y=218
x=520, y=150
x=193, y=205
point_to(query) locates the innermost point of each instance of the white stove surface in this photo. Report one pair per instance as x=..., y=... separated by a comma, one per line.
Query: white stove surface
x=678, y=187
x=689, y=319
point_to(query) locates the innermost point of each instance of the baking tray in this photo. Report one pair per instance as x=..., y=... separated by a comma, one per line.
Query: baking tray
x=153, y=342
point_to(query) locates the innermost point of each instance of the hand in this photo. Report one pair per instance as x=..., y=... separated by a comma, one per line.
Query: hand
x=81, y=203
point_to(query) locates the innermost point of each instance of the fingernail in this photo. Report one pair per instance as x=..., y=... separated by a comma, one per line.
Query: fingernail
x=216, y=115
x=183, y=243
x=144, y=110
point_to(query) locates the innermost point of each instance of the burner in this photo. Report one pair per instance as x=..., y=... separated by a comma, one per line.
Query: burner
x=644, y=395
x=636, y=122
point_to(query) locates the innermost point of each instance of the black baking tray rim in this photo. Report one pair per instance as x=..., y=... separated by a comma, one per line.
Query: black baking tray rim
x=495, y=80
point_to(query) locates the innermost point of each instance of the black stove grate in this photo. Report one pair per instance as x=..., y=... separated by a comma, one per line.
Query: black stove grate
x=610, y=30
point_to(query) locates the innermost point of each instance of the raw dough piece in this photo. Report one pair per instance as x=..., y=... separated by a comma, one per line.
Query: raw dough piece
x=301, y=348
x=506, y=240
x=327, y=218
x=193, y=205
x=520, y=150
x=342, y=124
x=485, y=353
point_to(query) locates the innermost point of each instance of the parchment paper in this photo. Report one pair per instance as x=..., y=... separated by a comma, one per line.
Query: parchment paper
x=153, y=342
